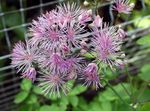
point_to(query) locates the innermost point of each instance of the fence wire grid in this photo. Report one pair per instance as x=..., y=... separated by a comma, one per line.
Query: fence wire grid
x=9, y=80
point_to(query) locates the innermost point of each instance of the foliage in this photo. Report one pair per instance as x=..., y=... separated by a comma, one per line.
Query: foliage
x=134, y=97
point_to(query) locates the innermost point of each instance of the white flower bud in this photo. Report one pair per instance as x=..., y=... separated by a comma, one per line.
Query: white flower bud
x=132, y=5
x=85, y=3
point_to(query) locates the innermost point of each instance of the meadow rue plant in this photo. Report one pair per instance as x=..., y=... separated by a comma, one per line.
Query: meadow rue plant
x=54, y=53
x=123, y=6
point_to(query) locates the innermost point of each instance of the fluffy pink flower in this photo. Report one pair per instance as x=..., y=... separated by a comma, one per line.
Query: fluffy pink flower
x=85, y=17
x=53, y=62
x=98, y=21
x=122, y=33
x=69, y=12
x=123, y=6
x=23, y=56
x=30, y=73
x=108, y=44
x=73, y=67
x=71, y=33
x=90, y=75
x=58, y=40
x=57, y=28
x=53, y=83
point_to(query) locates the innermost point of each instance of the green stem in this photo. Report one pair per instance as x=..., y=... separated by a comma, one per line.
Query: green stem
x=141, y=91
x=109, y=85
x=125, y=90
x=132, y=99
x=130, y=80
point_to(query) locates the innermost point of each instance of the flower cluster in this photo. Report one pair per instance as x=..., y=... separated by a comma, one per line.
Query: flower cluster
x=54, y=51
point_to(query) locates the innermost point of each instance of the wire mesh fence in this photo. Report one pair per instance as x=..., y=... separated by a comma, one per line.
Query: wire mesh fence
x=9, y=81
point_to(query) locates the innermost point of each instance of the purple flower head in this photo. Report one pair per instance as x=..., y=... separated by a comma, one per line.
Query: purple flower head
x=65, y=48
x=53, y=62
x=98, y=21
x=122, y=33
x=85, y=17
x=23, y=56
x=108, y=44
x=123, y=6
x=49, y=36
x=57, y=28
x=120, y=64
x=69, y=12
x=90, y=75
x=30, y=73
x=59, y=45
x=71, y=33
x=53, y=83
x=72, y=67
x=83, y=44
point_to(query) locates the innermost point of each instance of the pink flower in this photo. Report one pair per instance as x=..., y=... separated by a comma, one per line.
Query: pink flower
x=30, y=73
x=73, y=67
x=108, y=44
x=85, y=17
x=53, y=62
x=23, y=56
x=57, y=28
x=98, y=21
x=123, y=6
x=65, y=48
x=58, y=45
x=71, y=33
x=90, y=75
x=47, y=36
x=69, y=12
x=122, y=34
x=53, y=83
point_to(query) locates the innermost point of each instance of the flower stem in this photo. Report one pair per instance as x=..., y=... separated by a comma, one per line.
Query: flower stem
x=109, y=85
x=126, y=90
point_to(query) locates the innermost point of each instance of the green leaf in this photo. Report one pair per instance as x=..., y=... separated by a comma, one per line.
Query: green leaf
x=95, y=106
x=37, y=90
x=90, y=55
x=77, y=109
x=45, y=108
x=143, y=23
x=77, y=90
x=26, y=84
x=32, y=99
x=73, y=100
x=109, y=95
x=144, y=40
x=145, y=72
x=106, y=106
x=145, y=107
x=52, y=107
x=25, y=107
x=20, y=97
x=145, y=96
x=83, y=104
x=123, y=107
x=64, y=101
x=145, y=68
x=120, y=90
